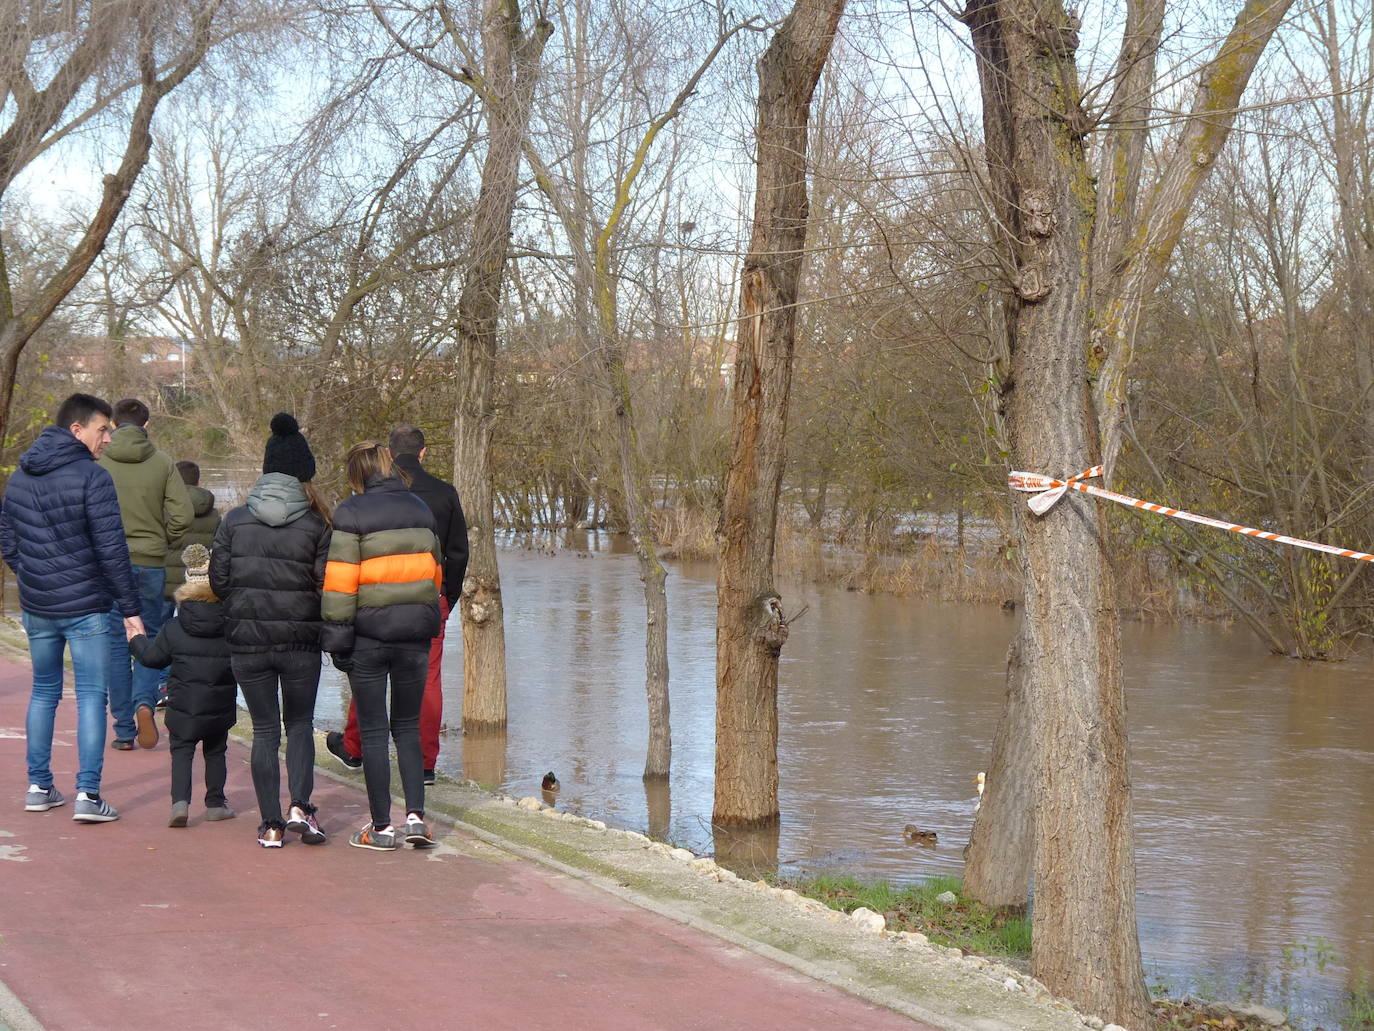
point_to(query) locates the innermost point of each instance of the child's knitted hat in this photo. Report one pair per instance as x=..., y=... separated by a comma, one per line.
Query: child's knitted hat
x=197, y=560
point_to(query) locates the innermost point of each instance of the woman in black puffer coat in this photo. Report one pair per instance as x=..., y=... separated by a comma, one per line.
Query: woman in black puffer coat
x=268, y=566
x=381, y=608
x=200, y=690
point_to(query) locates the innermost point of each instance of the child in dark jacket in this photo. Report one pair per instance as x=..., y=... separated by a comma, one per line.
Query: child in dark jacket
x=201, y=689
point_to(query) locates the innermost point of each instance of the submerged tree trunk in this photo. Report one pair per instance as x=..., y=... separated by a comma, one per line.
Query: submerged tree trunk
x=1085, y=945
x=750, y=628
x=999, y=856
x=658, y=758
x=507, y=89
x=1127, y=249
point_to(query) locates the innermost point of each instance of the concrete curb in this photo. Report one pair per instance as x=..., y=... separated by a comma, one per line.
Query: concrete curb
x=14, y=1015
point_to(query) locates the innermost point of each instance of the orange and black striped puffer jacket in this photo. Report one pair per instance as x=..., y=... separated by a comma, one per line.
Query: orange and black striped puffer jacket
x=384, y=573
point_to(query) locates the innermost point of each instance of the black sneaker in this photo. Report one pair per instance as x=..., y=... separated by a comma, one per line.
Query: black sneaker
x=429, y=778
x=334, y=742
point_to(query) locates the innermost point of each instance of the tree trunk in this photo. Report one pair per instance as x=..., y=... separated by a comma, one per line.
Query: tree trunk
x=1085, y=945
x=1131, y=244
x=507, y=90
x=1122, y=290
x=750, y=629
x=1348, y=134
x=659, y=757
x=998, y=860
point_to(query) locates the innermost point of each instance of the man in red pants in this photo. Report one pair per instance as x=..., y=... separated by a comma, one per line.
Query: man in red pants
x=407, y=445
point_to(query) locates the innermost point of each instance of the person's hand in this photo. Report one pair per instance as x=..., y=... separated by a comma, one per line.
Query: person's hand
x=133, y=626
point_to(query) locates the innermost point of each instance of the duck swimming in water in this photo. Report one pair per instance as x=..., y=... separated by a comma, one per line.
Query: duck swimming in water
x=550, y=782
x=916, y=836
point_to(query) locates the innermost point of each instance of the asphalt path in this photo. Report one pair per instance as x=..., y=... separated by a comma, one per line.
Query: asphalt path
x=135, y=924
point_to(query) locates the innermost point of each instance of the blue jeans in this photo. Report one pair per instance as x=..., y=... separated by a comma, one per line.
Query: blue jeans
x=131, y=683
x=48, y=639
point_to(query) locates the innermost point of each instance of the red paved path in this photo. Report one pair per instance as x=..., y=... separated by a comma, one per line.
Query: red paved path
x=133, y=924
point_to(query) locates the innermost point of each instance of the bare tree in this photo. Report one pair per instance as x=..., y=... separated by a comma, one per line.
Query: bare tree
x=509, y=71
x=1042, y=194
x=89, y=55
x=597, y=268
x=750, y=625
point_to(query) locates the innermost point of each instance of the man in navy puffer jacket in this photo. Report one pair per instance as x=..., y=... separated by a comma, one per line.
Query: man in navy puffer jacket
x=61, y=533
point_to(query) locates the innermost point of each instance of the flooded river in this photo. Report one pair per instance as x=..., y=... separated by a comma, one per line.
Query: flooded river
x=1253, y=775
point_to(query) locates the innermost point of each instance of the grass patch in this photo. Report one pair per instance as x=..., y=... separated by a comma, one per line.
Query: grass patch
x=1359, y=1015
x=963, y=924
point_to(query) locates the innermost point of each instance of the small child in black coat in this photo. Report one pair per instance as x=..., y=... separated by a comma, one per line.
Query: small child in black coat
x=201, y=690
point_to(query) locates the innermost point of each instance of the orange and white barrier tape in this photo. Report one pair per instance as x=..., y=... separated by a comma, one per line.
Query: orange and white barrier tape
x=1048, y=490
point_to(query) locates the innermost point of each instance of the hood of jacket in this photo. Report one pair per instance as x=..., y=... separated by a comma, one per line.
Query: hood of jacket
x=129, y=444
x=54, y=448
x=202, y=501
x=277, y=499
x=199, y=610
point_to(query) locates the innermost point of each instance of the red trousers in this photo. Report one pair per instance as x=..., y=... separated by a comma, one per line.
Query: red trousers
x=431, y=708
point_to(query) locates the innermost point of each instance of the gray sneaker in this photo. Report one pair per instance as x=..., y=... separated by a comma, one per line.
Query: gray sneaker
x=93, y=810
x=418, y=833
x=40, y=800
x=371, y=837
x=219, y=812
x=180, y=811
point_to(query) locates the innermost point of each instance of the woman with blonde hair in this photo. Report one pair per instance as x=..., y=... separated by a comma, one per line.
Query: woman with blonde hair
x=380, y=609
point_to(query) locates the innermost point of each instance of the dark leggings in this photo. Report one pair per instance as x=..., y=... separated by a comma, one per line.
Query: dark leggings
x=184, y=754
x=407, y=668
x=297, y=674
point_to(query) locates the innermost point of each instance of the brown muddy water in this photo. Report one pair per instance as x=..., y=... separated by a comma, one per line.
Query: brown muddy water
x=1253, y=775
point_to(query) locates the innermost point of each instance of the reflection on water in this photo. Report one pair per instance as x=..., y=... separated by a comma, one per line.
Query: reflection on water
x=658, y=803
x=749, y=853
x=484, y=755
x=1252, y=774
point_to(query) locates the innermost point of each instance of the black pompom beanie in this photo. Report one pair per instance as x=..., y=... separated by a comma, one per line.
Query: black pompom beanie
x=287, y=450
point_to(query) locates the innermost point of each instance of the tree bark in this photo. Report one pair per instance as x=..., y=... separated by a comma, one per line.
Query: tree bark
x=1349, y=134
x=658, y=757
x=1131, y=245
x=512, y=63
x=1085, y=945
x=1133, y=279
x=999, y=856
x=750, y=628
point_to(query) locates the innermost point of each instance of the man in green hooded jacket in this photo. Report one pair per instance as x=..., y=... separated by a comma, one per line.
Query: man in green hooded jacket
x=156, y=511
